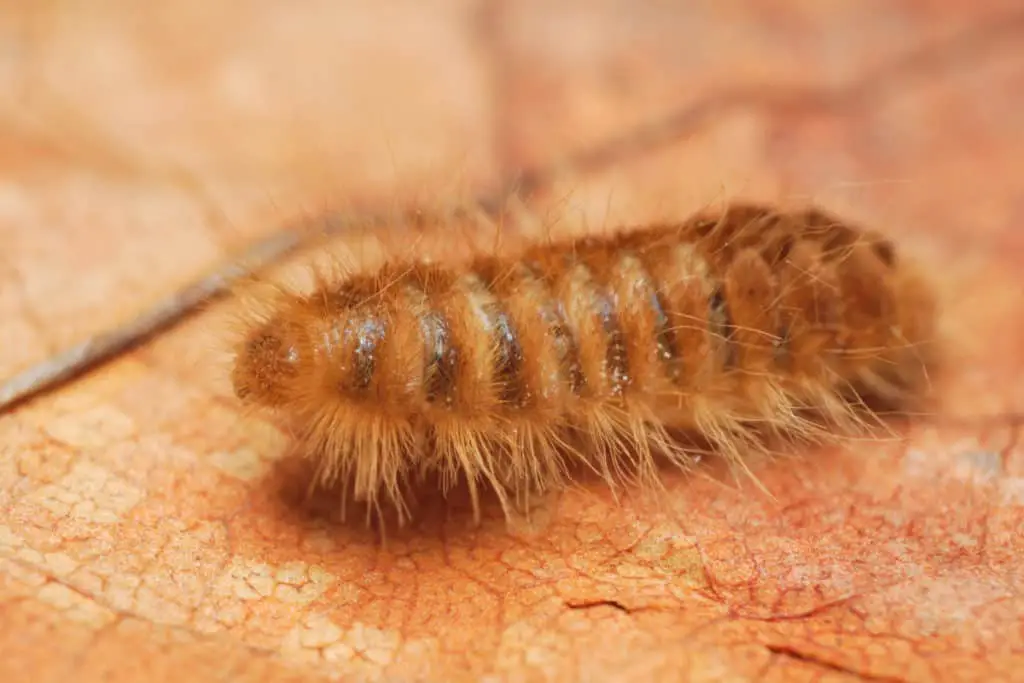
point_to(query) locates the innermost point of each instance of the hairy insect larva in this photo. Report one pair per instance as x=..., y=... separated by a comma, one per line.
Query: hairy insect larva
x=504, y=371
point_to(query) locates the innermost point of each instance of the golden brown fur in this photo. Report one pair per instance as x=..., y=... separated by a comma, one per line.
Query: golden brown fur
x=505, y=371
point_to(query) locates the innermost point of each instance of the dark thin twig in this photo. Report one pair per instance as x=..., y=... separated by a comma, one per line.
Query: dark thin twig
x=880, y=82
x=74, y=361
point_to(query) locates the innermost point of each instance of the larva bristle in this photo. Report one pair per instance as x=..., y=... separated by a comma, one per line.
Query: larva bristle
x=508, y=372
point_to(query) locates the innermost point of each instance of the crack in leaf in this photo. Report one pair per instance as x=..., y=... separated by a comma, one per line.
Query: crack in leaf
x=790, y=652
x=600, y=602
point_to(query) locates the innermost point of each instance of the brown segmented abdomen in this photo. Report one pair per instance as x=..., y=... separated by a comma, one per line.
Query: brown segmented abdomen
x=644, y=317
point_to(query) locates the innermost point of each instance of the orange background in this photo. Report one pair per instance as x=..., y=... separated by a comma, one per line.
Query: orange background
x=146, y=533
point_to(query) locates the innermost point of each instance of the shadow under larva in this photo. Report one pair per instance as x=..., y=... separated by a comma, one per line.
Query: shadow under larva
x=513, y=373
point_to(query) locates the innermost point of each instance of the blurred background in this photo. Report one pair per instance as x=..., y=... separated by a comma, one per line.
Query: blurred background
x=141, y=141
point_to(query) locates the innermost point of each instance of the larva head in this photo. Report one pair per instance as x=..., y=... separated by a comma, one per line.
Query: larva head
x=890, y=311
x=267, y=363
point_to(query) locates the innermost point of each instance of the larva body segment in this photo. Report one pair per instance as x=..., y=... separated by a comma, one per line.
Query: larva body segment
x=505, y=371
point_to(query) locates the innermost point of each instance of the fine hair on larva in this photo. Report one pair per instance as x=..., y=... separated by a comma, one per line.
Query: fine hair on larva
x=510, y=371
